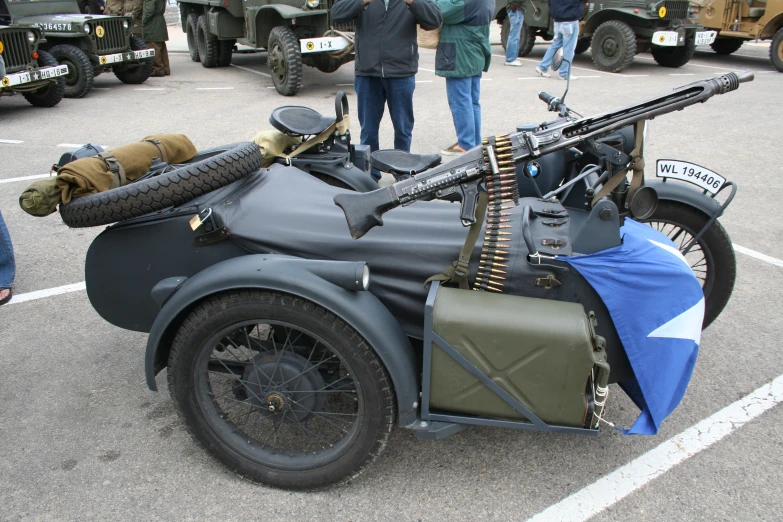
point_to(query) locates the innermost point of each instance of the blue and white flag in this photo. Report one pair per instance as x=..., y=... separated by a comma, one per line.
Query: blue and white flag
x=657, y=306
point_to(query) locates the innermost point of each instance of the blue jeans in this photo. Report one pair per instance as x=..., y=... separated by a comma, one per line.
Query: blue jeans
x=7, y=264
x=566, y=35
x=516, y=18
x=463, y=95
x=372, y=95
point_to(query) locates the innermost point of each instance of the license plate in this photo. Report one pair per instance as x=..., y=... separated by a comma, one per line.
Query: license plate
x=319, y=45
x=705, y=37
x=51, y=72
x=146, y=53
x=665, y=38
x=692, y=173
x=127, y=57
x=22, y=78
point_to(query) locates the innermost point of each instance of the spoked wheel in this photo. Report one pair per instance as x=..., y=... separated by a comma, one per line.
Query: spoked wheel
x=280, y=389
x=711, y=258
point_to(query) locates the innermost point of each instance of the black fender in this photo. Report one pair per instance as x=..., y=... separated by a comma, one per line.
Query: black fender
x=313, y=280
x=353, y=176
x=686, y=194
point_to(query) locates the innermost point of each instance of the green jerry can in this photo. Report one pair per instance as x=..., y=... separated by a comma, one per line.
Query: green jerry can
x=543, y=353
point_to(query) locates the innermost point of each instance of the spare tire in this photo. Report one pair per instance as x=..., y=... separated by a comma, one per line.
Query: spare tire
x=166, y=190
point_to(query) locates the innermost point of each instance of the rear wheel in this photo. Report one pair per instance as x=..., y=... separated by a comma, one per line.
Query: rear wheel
x=285, y=60
x=776, y=50
x=711, y=259
x=674, y=56
x=582, y=45
x=191, y=30
x=208, y=48
x=726, y=45
x=527, y=38
x=614, y=46
x=52, y=93
x=225, y=52
x=137, y=73
x=78, y=81
x=279, y=389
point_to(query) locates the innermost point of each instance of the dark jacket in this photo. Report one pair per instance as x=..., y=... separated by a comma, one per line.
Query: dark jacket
x=464, y=49
x=91, y=6
x=566, y=10
x=153, y=22
x=386, y=38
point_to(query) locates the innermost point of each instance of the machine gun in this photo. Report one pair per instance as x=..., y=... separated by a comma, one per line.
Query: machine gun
x=469, y=172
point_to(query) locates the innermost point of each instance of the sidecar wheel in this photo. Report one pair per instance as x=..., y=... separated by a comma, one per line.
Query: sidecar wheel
x=712, y=258
x=167, y=190
x=280, y=389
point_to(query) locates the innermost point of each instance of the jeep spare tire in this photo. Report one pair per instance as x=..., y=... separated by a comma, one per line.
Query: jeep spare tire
x=166, y=190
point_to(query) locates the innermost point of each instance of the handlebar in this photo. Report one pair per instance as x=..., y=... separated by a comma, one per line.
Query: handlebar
x=553, y=103
x=546, y=98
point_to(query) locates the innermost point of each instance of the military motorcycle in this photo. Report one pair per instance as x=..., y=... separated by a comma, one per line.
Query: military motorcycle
x=294, y=343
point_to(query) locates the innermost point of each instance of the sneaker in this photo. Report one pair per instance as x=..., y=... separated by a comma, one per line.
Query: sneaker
x=542, y=72
x=515, y=63
x=454, y=150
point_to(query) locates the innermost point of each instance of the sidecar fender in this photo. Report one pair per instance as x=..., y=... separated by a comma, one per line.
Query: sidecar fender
x=684, y=193
x=317, y=281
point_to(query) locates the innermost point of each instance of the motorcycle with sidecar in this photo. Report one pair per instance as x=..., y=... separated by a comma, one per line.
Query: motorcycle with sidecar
x=293, y=343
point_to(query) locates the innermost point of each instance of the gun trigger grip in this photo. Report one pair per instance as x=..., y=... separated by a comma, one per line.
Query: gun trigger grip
x=470, y=195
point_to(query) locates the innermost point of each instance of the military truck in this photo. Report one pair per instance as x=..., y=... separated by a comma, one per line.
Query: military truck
x=738, y=21
x=25, y=70
x=619, y=29
x=88, y=44
x=293, y=32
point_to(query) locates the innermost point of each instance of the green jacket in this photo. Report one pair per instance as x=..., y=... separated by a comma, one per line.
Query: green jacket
x=153, y=22
x=464, y=49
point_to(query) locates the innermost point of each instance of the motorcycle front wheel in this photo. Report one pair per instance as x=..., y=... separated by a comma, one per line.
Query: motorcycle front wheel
x=280, y=389
x=711, y=258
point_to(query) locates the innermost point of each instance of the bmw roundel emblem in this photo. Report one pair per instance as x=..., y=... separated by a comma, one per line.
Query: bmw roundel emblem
x=533, y=169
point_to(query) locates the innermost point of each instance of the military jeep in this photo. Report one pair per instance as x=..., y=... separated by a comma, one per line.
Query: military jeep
x=26, y=70
x=619, y=29
x=87, y=44
x=294, y=32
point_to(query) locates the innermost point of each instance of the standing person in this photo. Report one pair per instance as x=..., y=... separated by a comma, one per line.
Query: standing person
x=463, y=54
x=7, y=264
x=90, y=6
x=387, y=59
x=132, y=8
x=566, y=14
x=516, y=17
x=156, y=34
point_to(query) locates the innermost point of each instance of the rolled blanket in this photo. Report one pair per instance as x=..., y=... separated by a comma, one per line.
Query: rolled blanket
x=273, y=144
x=92, y=175
x=41, y=198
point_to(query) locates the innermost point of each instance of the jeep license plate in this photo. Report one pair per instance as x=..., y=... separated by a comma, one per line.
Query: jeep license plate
x=50, y=72
x=692, y=173
x=665, y=38
x=319, y=45
x=705, y=37
x=146, y=53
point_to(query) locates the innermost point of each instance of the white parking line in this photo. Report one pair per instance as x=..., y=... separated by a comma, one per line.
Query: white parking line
x=766, y=72
x=101, y=88
x=423, y=81
x=532, y=78
x=12, y=142
x=758, y=255
x=727, y=69
x=24, y=178
x=428, y=70
x=620, y=483
x=251, y=70
x=581, y=68
x=214, y=88
x=40, y=294
x=344, y=85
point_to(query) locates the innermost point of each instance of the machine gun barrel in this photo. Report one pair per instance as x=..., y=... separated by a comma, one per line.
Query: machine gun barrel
x=363, y=211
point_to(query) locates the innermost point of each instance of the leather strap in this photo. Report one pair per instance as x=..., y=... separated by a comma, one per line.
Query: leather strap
x=163, y=154
x=316, y=139
x=636, y=165
x=115, y=168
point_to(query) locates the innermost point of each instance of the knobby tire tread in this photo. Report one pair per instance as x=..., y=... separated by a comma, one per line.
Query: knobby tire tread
x=211, y=50
x=192, y=36
x=293, y=60
x=52, y=94
x=135, y=75
x=627, y=35
x=83, y=65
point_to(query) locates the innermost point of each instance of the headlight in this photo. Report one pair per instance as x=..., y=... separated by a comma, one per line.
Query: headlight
x=366, y=271
x=30, y=36
x=87, y=28
x=125, y=24
x=312, y=4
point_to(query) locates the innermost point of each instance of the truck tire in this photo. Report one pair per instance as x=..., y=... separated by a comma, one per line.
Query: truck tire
x=225, y=51
x=208, y=48
x=614, y=46
x=191, y=31
x=135, y=74
x=726, y=45
x=51, y=94
x=526, y=37
x=674, y=56
x=285, y=60
x=776, y=50
x=167, y=190
x=582, y=45
x=80, y=76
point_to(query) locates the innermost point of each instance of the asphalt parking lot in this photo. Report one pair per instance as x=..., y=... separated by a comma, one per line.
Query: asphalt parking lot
x=81, y=436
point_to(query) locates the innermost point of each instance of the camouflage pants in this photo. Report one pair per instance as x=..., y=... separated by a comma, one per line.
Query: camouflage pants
x=132, y=8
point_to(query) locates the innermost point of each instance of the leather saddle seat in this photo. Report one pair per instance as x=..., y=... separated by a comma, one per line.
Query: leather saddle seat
x=294, y=120
x=401, y=163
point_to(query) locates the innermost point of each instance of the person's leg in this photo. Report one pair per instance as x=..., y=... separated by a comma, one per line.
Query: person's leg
x=7, y=263
x=475, y=94
x=557, y=43
x=370, y=101
x=399, y=96
x=570, y=34
x=158, y=67
x=165, y=53
x=460, y=103
x=515, y=19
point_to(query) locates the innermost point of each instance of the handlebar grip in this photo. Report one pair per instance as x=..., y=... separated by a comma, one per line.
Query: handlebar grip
x=746, y=76
x=545, y=97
